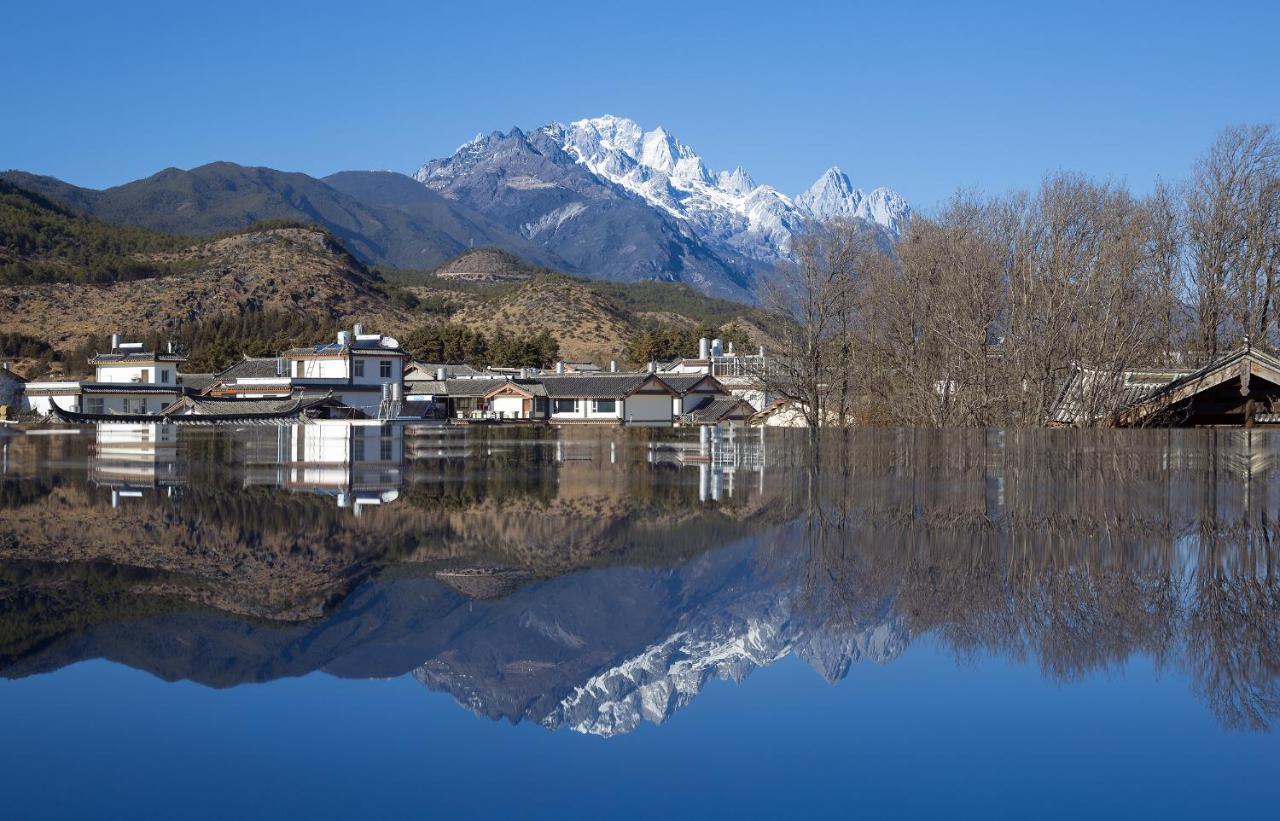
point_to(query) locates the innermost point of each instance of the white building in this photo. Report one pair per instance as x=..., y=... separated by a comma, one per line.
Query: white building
x=610, y=397
x=363, y=371
x=128, y=380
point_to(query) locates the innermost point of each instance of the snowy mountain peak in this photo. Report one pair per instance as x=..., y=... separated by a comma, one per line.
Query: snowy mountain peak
x=737, y=181
x=834, y=197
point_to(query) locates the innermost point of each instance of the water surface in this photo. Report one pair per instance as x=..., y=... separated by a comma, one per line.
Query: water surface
x=337, y=621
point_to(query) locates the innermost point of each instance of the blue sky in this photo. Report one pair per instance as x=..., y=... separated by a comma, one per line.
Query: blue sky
x=919, y=96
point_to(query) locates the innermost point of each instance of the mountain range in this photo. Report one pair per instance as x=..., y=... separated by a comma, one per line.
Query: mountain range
x=601, y=198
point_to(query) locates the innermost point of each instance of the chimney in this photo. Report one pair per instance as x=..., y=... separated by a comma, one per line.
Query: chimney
x=559, y=367
x=613, y=366
x=704, y=348
x=169, y=347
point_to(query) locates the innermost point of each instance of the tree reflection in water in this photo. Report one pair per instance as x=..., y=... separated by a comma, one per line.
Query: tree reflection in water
x=1076, y=550
x=1073, y=550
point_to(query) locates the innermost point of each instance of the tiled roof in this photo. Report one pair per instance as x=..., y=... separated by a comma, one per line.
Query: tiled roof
x=528, y=386
x=429, y=387
x=128, y=387
x=431, y=367
x=196, y=381
x=251, y=367
x=682, y=383
x=710, y=411
x=593, y=386
x=208, y=406
x=473, y=387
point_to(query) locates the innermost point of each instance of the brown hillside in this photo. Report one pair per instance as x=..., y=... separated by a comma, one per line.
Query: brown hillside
x=486, y=265
x=588, y=326
x=283, y=269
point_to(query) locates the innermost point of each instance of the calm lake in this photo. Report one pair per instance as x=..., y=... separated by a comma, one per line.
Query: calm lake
x=328, y=621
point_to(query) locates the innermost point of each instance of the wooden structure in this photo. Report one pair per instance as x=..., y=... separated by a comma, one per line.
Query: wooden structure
x=1239, y=389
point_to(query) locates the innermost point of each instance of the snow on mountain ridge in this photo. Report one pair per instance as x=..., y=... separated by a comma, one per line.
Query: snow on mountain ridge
x=728, y=209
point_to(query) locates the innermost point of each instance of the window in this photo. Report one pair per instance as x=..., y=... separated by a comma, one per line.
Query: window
x=357, y=447
x=384, y=369
x=164, y=376
x=605, y=406
x=565, y=406
x=384, y=449
x=94, y=405
x=135, y=405
x=359, y=368
x=299, y=369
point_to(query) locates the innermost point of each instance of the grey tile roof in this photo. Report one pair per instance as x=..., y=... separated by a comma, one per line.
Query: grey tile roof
x=196, y=381
x=473, y=387
x=681, y=383
x=710, y=411
x=129, y=387
x=593, y=386
x=430, y=369
x=251, y=367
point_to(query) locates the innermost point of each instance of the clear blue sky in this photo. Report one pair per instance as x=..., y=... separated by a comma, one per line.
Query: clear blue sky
x=919, y=96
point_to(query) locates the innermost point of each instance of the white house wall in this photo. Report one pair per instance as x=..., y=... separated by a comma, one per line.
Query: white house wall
x=508, y=406
x=164, y=374
x=648, y=408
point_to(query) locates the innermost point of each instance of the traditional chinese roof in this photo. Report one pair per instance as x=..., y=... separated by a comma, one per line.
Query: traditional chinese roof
x=712, y=411
x=128, y=387
x=251, y=367
x=196, y=382
x=245, y=408
x=683, y=383
x=599, y=385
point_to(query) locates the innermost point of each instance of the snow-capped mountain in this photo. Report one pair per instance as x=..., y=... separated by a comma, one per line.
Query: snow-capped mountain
x=833, y=196
x=580, y=191
x=728, y=209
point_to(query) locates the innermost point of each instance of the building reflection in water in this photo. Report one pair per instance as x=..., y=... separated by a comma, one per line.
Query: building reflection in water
x=1074, y=551
x=133, y=458
x=357, y=464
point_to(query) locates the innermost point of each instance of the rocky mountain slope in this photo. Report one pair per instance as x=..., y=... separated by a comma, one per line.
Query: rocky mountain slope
x=747, y=225
x=530, y=184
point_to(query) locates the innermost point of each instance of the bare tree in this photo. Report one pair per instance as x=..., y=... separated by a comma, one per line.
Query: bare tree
x=1233, y=232
x=814, y=304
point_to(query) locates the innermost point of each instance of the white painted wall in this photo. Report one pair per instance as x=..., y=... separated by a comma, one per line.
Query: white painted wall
x=373, y=368
x=648, y=408
x=165, y=373
x=509, y=406
x=319, y=368
x=127, y=402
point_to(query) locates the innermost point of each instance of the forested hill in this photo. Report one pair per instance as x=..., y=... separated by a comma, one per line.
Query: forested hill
x=44, y=241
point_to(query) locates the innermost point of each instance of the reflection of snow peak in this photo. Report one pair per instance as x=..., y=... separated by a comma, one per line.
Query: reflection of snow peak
x=665, y=677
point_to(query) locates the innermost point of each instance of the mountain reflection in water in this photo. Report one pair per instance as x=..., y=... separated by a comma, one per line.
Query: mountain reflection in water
x=599, y=578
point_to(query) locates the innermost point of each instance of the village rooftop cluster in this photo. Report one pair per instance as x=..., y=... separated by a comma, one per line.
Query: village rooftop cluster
x=362, y=375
